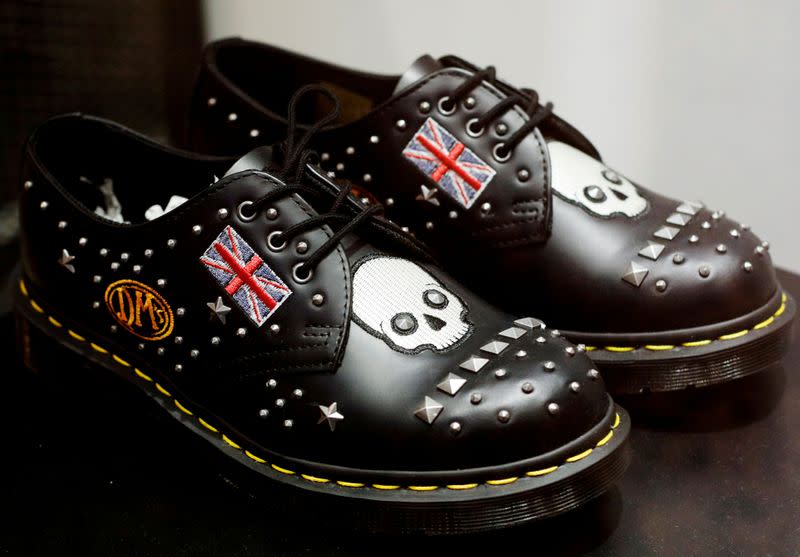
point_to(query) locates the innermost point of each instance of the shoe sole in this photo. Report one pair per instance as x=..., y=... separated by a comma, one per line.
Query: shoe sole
x=462, y=503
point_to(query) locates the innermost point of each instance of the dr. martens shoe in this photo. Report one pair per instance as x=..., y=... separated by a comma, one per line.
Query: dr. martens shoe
x=517, y=205
x=277, y=317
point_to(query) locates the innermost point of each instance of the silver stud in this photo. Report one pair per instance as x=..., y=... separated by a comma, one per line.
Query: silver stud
x=215, y=341
x=455, y=428
x=428, y=195
x=666, y=232
x=280, y=402
x=474, y=364
x=486, y=207
x=652, y=251
x=44, y=205
x=678, y=219
x=241, y=332
x=503, y=416
x=721, y=248
x=451, y=384
x=678, y=258
x=555, y=333
x=171, y=243
x=687, y=209
x=529, y=323
x=512, y=333
x=520, y=354
x=113, y=328
x=96, y=279
x=694, y=238
x=744, y=227
x=747, y=266
x=765, y=245
x=704, y=271
x=475, y=398
x=302, y=246
x=527, y=387
x=263, y=413
x=178, y=368
x=325, y=156
x=540, y=340
x=148, y=253
x=82, y=241
x=95, y=304
x=553, y=408
x=212, y=101
x=350, y=150
x=429, y=410
x=635, y=274
x=66, y=261
x=367, y=178
x=759, y=250
x=424, y=107
x=160, y=351
x=570, y=350
x=594, y=193
x=114, y=266
x=705, y=225
x=500, y=373
x=222, y=213
x=501, y=129
x=194, y=353
x=288, y=424
x=405, y=229
x=574, y=386
x=62, y=224
x=389, y=201
x=593, y=374
x=197, y=229
x=365, y=200
x=161, y=282
x=470, y=102
x=523, y=175
x=219, y=309
x=716, y=215
x=232, y=117
x=272, y=383
x=429, y=225
x=297, y=393
x=275, y=328
x=494, y=347
x=330, y=414
x=340, y=166
x=272, y=213
x=661, y=285
x=103, y=252
x=27, y=184
x=331, y=175
x=374, y=139
x=178, y=340
x=180, y=312
x=549, y=366
x=137, y=269
x=734, y=233
x=140, y=346
x=317, y=299
x=401, y=124
x=254, y=133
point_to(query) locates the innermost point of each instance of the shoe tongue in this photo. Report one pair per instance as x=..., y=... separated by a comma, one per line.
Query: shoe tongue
x=422, y=66
x=257, y=159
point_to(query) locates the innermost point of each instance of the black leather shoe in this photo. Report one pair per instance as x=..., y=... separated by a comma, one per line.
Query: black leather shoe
x=276, y=317
x=517, y=205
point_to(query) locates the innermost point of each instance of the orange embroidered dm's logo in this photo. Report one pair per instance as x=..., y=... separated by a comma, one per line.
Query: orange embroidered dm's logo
x=140, y=309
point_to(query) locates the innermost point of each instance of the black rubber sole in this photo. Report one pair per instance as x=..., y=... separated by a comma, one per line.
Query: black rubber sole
x=700, y=362
x=494, y=501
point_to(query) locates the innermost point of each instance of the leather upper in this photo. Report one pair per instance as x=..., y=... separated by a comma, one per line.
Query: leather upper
x=553, y=232
x=378, y=361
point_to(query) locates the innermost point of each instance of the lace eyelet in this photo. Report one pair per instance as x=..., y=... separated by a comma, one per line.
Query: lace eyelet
x=240, y=211
x=271, y=243
x=301, y=279
x=446, y=111
x=471, y=131
x=496, y=153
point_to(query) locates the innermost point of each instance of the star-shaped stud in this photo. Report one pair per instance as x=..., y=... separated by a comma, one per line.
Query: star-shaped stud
x=219, y=309
x=66, y=261
x=428, y=194
x=330, y=414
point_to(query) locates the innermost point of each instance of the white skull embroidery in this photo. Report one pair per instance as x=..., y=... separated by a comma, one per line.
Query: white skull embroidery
x=400, y=302
x=579, y=178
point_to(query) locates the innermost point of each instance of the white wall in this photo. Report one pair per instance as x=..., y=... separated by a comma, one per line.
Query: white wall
x=697, y=99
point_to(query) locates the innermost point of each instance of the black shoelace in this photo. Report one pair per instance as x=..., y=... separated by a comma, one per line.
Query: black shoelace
x=526, y=98
x=296, y=157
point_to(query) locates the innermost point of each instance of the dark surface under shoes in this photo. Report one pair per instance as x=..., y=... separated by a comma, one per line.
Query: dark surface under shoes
x=517, y=204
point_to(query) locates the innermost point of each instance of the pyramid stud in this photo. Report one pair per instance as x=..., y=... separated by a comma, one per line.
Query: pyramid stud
x=512, y=333
x=429, y=410
x=652, y=251
x=474, y=364
x=667, y=232
x=687, y=209
x=452, y=384
x=329, y=414
x=530, y=323
x=428, y=194
x=66, y=261
x=635, y=274
x=494, y=347
x=679, y=219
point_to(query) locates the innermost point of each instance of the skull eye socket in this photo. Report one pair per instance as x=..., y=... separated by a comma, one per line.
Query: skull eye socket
x=594, y=193
x=612, y=176
x=404, y=323
x=435, y=299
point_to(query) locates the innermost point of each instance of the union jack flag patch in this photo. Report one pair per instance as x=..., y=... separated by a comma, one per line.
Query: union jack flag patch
x=442, y=157
x=256, y=289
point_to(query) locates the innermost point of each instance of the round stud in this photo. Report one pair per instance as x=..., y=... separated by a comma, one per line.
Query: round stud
x=178, y=340
x=113, y=328
x=389, y=201
x=574, y=386
x=82, y=241
x=366, y=178
x=759, y=250
x=694, y=238
x=549, y=366
x=721, y=248
x=140, y=346
x=593, y=374
x=400, y=124
x=215, y=341
x=212, y=101
x=523, y=175
x=272, y=383
x=263, y=413
x=180, y=312
x=272, y=213
x=297, y=393
x=500, y=373
x=520, y=354
x=429, y=225
x=160, y=351
x=570, y=350
x=124, y=256
x=331, y=175
x=103, y=252
x=501, y=129
x=280, y=403
x=455, y=428
x=161, y=283
x=241, y=332
x=553, y=408
x=350, y=150
x=325, y=157
x=171, y=243
x=540, y=340
x=744, y=227
x=194, y=354
x=475, y=398
x=527, y=387
x=580, y=347
x=374, y=139
x=555, y=333
x=114, y=266
x=734, y=233
x=44, y=205
x=95, y=304
x=747, y=266
x=678, y=258
x=302, y=246
x=178, y=368
x=365, y=200
x=503, y=416
x=611, y=176
x=317, y=299
x=232, y=117
x=453, y=214
x=137, y=269
x=222, y=213
x=288, y=424
x=62, y=224
x=470, y=102
x=197, y=229
x=96, y=279
x=705, y=225
x=661, y=285
x=27, y=184
x=340, y=167
x=765, y=245
x=704, y=271
x=486, y=207
x=275, y=328
x=254, y=132
x=148, y=253
x=424, y=107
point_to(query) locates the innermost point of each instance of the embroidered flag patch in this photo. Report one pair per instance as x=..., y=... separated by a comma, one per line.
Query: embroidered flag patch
x=256, y=289
x=457, y=170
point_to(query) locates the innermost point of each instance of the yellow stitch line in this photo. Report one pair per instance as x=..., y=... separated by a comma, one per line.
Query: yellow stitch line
x=580, y=456
x=385, y=487
x=459, y=487
x=780, y=310
x=24, y=289
x=616, y=422
x=98, y=348
x=349, y=484
x=697, y=343
x=54, y=321
x=605, y=439
x=423, y=487
x=252, y=456
x=282, y=470
x=504, y=481
x=163, y=391
x=36, y=306
x=120, y=360
x=590, y=348
x=208, y=426
x=182, y=408
x=764, y=323
x=76, y=336
x=314, y=479
x=783, y=297
x=139, y=372
x=732, y=336
x=619, y=348
x=230, y=442
x=541, y=472
x=659, y=346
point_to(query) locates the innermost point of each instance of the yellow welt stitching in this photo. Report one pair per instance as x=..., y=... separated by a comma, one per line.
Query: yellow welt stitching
x=254, y=457
x=23, y=288
x=780, y=310
x=229, y=442
x=619, y=348
x=282, y=470
x=423, y=487
x=783, y=297
x=386, y=487
x=182, y=408
x=764, y=323
x=54, y=321
x=120, y=360
x=98, y=348
x=605, y=439
x=163, y=391
x=580, y=456
x=208, y=426
x=697, y=343
x=461, y=487
x=504, y=481
x=541, y=472
x=138, y=372
x=590, y=348
x=37, y=307
x=732, y=336
x=616, y=422
x=76, y=336
x=349, y=484
x=314, y=479
x=659, y=346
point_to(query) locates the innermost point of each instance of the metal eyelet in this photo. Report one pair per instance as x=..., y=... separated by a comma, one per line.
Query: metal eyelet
x=442, y=109
x=240, y=212
x=474, y=132
x=299, y=279
x=497, y=156
x=270, y=241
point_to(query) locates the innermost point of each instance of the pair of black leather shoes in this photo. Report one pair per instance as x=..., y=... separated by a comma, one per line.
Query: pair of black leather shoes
x=322, y=346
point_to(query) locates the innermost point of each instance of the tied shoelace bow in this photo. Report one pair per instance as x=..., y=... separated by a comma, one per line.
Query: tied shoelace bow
x=526, y=98
x=296, y=157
